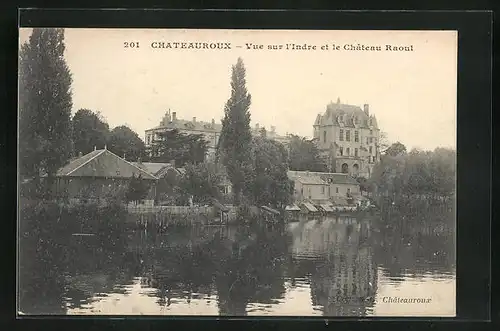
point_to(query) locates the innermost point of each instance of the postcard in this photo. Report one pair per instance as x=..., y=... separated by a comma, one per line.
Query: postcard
x=237, y=172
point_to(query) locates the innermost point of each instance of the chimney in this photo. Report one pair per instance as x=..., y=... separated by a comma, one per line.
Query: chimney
x=366, y=108
x=95, y=148
x=194, y=119
x=213, y=122
x=273, y=129
x=139, y=160
x=257, y=126
x=80, y=154
x=172, y=162
x=174, y=116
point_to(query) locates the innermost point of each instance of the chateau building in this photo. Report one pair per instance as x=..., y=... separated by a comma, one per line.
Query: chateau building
x=210, y=130
x=349, y=137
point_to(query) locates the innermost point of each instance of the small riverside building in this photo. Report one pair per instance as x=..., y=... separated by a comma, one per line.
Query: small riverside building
x=322, y=187
x=98, y=175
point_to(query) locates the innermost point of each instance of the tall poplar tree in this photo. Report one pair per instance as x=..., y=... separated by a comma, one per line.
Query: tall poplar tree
x=45, y=103
x=236, y=136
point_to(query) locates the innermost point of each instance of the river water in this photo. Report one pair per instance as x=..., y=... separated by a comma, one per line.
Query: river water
x=337, y=266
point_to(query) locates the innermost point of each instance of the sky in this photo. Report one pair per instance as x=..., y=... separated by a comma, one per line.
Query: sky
x=412, y=93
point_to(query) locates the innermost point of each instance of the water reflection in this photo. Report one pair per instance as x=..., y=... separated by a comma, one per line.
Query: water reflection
x=337, y=266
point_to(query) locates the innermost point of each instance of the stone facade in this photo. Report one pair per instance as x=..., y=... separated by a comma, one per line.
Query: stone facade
x=210, y=130
x=322, y=186
x=349, y=137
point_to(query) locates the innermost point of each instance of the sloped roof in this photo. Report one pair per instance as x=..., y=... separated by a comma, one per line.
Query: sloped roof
x=156, y=169
x=77, y=162
x=270, y=210
x=325, y=177
x=190, y=125
x=349, y=112
x=326, y=207
x=102, y=163
x=311, y=180
x=151, y=167
x=310, y=207
x=292, y=208
x=335, y=178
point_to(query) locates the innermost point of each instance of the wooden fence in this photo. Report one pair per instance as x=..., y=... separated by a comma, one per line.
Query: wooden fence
x=163, y=216
x=172, y=210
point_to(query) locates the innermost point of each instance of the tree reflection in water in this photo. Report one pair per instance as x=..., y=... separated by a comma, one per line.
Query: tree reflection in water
x=340, y=260
x=339, y=256
x=57, y=270
x=242, y=265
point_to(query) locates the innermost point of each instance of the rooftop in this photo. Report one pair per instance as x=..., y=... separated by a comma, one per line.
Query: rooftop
x=157, y=169
x=349, y=116
x=171, y=121
x=102, y=163
x=311, y=180
x=325, y=177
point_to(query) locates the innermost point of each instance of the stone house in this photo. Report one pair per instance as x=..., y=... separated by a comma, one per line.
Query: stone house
x=322, y=186
x=211, y=131
x=100, y=175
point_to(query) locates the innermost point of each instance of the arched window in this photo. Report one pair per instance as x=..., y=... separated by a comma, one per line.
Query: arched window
x=345, y=168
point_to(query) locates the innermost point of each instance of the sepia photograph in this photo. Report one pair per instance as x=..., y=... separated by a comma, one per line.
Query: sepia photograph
x=214, y=172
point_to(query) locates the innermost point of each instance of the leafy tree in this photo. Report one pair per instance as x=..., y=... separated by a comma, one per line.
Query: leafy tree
x=429, y=174
x=90, y=130
x=305, y=156
x=201, y=181
x=126, y=143
x=179, y=146
x=45, y=104
x=383, y=142
x=396, y=149
x=167, y=187
x=236, y=135
x=138, y=189
x=270, y=180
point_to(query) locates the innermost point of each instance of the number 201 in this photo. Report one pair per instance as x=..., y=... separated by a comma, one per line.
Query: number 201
x=127, y=44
